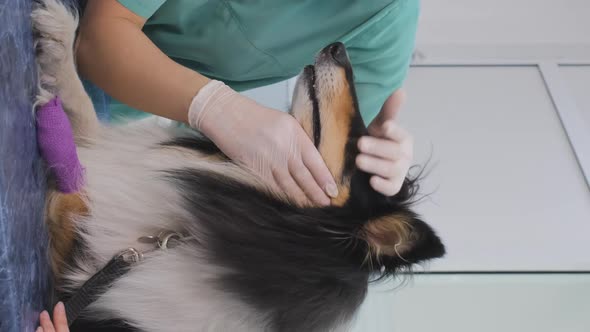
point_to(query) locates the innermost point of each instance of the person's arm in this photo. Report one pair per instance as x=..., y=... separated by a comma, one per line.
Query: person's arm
x=114, y=53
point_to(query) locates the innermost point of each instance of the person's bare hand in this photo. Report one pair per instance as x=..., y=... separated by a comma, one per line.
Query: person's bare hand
x=388, y=150
x=60, y=321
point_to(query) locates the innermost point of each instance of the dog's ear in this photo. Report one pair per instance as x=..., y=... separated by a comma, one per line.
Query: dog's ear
x=403, y=237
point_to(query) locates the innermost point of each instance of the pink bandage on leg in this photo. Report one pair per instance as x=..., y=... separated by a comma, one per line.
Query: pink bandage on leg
x=56, y=144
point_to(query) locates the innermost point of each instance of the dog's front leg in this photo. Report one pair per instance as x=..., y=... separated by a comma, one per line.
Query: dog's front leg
x=55, y=28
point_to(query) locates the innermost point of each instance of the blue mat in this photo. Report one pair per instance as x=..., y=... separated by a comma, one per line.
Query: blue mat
x=24, y=273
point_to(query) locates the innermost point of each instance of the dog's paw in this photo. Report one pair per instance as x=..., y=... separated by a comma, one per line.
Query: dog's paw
x=54, y=27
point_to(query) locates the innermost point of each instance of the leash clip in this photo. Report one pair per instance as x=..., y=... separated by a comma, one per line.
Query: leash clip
x=162, y=240
x=130, y=255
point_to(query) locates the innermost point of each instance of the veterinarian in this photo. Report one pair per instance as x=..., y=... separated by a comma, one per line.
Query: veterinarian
x=186, y=60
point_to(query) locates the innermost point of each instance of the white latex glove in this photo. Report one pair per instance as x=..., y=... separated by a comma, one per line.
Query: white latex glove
x=269, y=142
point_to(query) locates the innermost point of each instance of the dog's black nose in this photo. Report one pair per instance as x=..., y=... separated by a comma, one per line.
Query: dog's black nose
x=338, y=53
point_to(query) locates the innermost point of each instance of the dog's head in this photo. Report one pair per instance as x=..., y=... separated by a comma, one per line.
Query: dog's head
x=325, y=104
x=307, y=268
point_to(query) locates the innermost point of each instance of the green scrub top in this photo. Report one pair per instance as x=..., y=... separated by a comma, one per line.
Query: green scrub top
x=252, y=43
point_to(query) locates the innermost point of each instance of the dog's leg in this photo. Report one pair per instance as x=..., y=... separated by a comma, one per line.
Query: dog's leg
x=61, y=213
x=55, y=27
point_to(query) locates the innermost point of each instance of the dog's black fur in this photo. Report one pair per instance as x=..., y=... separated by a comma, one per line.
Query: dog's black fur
x=307, y=267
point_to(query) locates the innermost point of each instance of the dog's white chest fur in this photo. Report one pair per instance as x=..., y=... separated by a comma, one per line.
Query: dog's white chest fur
x=131, y=198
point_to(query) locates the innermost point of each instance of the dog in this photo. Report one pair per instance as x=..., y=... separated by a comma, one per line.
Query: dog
x=246, y=258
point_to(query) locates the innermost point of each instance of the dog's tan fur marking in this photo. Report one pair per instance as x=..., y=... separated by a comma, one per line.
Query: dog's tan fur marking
x=62, y=211
x=302, y=108
x=306, y=121
x=336, y=116
x=388, y=235
x=343, y=193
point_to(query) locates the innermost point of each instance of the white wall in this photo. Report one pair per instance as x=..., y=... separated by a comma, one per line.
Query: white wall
x=481, y=303
x=506, y=187
x=505, y=28
x=577, y=79
x=515, y=22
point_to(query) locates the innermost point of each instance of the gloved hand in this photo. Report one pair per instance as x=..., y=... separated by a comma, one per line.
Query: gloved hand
x=57, y=148
x=267, y=141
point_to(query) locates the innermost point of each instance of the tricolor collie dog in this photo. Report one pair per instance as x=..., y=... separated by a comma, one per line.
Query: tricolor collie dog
x=245, y=258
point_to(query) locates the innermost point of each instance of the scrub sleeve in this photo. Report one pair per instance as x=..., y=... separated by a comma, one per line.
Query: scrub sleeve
x=247, y=46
